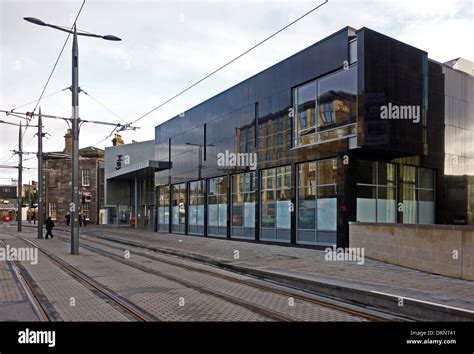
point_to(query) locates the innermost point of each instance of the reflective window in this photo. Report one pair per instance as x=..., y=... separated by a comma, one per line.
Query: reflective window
x=243, y=205
x=275, y=199
x=178, y=208
x=418, y=195
x=163, y=208
x=217, y=207
x=376, y=192
x=325, y=109
x=317, y=202
x=305, y=112
x=196, y=207
x=353, y=51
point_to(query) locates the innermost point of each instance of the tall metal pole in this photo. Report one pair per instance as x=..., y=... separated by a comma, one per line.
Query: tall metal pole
x=20, y=179
x=39, y=214
x=75, y=146
x=136, y=203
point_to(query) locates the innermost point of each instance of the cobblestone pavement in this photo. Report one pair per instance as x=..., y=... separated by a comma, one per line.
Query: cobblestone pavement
x=14, y=304
x=310, y=264
x=169, y=292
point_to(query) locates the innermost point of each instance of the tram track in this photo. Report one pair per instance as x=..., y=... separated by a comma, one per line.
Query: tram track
x=124, y=305
x=244, y=282
x=43, y=313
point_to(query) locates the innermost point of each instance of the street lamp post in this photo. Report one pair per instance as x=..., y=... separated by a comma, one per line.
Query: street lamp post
x=75, y=123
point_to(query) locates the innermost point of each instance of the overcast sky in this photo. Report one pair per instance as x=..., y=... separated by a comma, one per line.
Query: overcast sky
x=168, y=45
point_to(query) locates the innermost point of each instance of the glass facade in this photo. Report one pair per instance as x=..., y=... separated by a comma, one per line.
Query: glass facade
x=304, y=117
x=178, y=208
x=317, y=202
x=376, y=192
x=197, y=196
x=243, y=205
x=325, y=109
x=418, y=195
x=217, y=206
x=275, y=204
x=163, y=208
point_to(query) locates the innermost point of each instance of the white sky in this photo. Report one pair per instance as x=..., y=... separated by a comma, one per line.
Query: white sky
x=168, y=45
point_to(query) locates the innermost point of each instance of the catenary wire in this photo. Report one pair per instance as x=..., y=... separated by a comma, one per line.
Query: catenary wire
x=228, y=63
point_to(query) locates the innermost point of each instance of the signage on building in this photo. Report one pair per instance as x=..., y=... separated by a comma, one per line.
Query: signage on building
x=7, y=192
x=122, y=159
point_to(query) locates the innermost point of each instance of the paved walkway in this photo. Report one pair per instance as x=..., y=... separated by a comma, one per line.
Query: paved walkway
x=309, y=264
x=14, y=304
x=160, y=285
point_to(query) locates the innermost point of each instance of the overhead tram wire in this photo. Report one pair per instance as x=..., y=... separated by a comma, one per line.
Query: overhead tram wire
x=228, y=63
x=55, y=64
x=103, y=105
x=50, y=95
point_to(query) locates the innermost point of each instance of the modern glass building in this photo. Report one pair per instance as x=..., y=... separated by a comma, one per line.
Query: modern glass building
x=357, y=127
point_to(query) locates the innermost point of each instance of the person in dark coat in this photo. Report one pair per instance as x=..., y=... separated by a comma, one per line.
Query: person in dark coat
x=80, y=219
x=68, y=219
x=49, y=227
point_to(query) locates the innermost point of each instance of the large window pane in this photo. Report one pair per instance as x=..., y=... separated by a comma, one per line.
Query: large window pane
x=386, y=174
x=337, y=99
x=275, y=204
x=317, y=202
x=217, y=207
x=386, y=205
x=426, y=207
x=376, y=191
x=426, y=178
x=243, y=205
x=306, y=209
x=366, y=204
x=324, y=104
x=327, y=214
x=163, y=208
x=366, y=172
x=179, y=207
x=409, y=205
x=306, y=109
x=196, y=207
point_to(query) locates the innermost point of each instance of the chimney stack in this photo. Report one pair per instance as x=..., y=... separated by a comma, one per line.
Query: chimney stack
x=117, y=140
x=68, y=142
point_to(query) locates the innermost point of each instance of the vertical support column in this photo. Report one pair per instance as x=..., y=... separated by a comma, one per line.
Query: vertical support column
x=75, y=147
x=136, y=202
x=20, y=181
x=39, y=214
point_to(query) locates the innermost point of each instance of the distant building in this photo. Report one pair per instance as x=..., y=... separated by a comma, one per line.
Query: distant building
x=8, y=201
x=57, y=181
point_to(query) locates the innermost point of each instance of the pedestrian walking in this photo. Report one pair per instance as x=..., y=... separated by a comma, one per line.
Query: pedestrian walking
x=80, y=220
x=84, y=220
x=34, y=217
x=68, y=219
x=49, y=227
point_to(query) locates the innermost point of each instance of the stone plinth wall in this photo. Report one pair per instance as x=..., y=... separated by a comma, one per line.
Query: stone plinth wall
x=440, y=249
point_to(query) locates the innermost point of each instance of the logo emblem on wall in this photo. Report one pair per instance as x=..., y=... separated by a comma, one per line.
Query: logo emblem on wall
x=122, y=159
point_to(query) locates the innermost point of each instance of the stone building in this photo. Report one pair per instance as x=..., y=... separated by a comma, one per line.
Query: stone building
x=57, y=181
